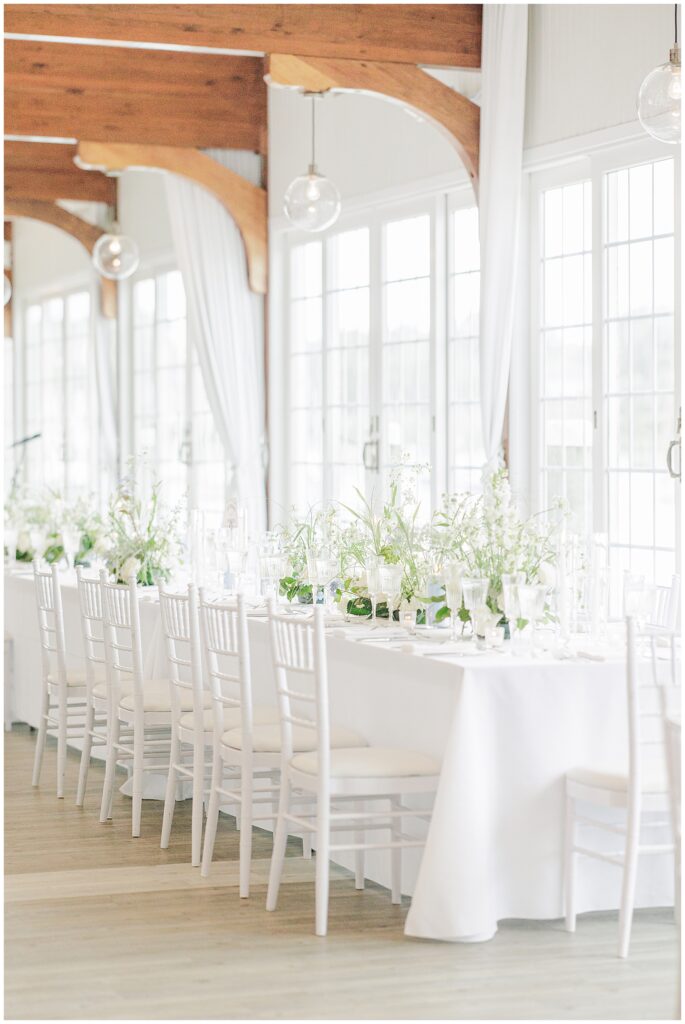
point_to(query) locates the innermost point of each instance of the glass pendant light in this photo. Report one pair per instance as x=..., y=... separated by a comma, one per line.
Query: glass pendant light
x=8, y=289
x=658, y=104
x=312, y=202
x=115, y=255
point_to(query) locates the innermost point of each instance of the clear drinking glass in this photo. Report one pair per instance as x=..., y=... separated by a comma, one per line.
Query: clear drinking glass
x=391, y=585
x=373, y=581
x=475, y=592
x=454, y=576
x=327, y=571
x=511, y=581
x=532, y=598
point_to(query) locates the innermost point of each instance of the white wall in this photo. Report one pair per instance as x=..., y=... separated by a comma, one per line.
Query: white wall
x=586, y=64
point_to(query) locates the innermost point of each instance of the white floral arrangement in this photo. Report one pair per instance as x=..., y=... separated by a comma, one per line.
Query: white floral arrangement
x=143, y=536
x=40, y=519
x=485, y=534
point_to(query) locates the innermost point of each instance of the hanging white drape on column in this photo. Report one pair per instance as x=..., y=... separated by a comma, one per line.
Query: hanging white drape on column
x=503, y=61
x=225, y=319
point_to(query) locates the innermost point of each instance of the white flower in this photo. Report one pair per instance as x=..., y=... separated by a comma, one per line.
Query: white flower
x=547, y=574
x=101, y=546
x=131, y=567
x=23, y=541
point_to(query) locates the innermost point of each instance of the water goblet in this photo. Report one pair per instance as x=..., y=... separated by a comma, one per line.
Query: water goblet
x=327, y=571
x=71, y=542
x=511, y=581
x=453, y=573
x=475, y=591
x=373, y=581
x=532, y=598
x=391, y=585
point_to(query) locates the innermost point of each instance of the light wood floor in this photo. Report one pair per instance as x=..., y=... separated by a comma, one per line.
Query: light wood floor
x=102, y=926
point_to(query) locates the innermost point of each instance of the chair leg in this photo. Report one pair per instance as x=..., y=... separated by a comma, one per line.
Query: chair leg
x=110, y=767
x=61, y=745
x=625, y=919
x=170, y=793
x=280, y=839
x=138, y=759
x=245, y=829
x=570, y=864
x=359, y=854
x=85, y=755
x=396, y=853
x=323, y=842
x=40, y=738
x=198, y=793
x=212, y=814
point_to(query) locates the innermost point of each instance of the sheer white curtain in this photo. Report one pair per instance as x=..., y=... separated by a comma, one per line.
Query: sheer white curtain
x=505, y=41
x=225, y=320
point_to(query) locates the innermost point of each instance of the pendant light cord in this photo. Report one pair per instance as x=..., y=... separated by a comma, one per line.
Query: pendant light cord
x=313, y=131
x=676, y=23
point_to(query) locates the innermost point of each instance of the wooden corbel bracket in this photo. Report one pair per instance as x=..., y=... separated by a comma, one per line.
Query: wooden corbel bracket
x=245, y=203
x=449, y=111
x=85, y=233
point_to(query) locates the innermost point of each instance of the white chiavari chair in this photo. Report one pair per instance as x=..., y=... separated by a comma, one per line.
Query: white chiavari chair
x=245, y=736
x=97, y=706
x=663, y=613
x=139, y=720
x=64, y=690
x=191, y=730
x=642, y=788
x=356, y=775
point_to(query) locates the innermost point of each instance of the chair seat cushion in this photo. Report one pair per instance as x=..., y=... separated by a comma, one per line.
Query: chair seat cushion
x=370, y=763
x=75, y=677
x=156, y=697
x=232, y=718
x=125, y=687
x=654, y=779
x=266, y=739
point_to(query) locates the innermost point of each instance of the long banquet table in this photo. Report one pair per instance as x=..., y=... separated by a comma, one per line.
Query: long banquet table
x=505, y=728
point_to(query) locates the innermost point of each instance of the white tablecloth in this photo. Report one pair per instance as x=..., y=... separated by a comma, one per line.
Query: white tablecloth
x=507, y=730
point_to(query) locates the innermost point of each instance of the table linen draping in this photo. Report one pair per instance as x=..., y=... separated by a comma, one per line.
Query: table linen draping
x=506, y=729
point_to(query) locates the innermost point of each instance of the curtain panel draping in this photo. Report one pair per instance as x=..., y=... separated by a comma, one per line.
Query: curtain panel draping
x=105, y=381
x=505, y=41
x=225, y=320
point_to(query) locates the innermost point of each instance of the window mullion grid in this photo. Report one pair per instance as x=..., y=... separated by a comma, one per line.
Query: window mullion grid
x=326, y=454
x=377, y=426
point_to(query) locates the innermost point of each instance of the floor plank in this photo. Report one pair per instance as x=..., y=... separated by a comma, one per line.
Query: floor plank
x=98, y=925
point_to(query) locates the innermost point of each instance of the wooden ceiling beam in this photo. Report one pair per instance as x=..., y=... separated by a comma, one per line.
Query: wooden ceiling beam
x=84, y=233
x=43, y=170
x=245, y=203
x=446, y=35
x=114, y=94
x=457, y=117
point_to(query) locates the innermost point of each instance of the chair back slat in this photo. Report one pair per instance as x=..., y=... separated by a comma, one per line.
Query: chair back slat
x=182, y=634
x=298, y=652
x=664, y=606
x=226, y=657
x=50, y=622
x=123, y=647
x=653, y=679
x=92, y=623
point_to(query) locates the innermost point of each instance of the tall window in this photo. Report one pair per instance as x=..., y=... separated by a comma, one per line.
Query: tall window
x=465, y=434
x=172, y=422
x=639, y=380
x=366, y=354
x=606, y=368
x=565, y=353
x=60, y=402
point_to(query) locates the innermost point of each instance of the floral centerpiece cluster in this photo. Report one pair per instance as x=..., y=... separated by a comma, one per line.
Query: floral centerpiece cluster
x=484, y=536
x=144, y=536
x=42, y=523
x=135, y=537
